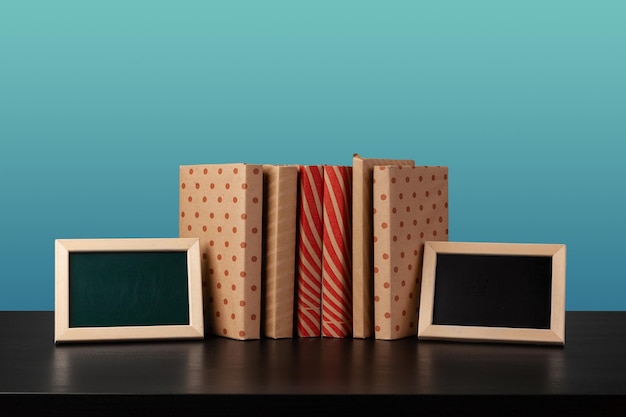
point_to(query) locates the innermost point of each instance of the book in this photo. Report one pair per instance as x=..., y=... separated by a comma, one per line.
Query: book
x=337, y=252
x=279, y=250
x=222, y=205
x=362, y=243
x=309, y=251
x=410, y=208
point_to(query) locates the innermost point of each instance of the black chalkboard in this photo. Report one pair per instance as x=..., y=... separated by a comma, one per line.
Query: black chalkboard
x=493, y=290
x=135, y=288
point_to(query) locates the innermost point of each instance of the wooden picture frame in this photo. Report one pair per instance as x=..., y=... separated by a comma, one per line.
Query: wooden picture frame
x=498, y=292
x=127, y=289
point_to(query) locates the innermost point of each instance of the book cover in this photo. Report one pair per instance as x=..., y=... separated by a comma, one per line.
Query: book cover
x=279, y=251
x=222, y=205
x=362, y=243
x=410, y=208
x=309, y=251
x=337, y=252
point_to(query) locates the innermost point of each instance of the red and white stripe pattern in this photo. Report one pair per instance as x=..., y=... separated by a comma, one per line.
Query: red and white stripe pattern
x=309, y=282
x=336, y=252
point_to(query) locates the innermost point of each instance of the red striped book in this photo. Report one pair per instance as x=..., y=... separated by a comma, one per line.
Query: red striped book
x=309, y=263
x=337, y=252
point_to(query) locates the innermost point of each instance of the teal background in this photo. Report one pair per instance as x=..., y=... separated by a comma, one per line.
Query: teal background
x=524, y=101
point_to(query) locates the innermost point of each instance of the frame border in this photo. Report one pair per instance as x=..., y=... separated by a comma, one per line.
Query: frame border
x=64, y=333
x=554, y=335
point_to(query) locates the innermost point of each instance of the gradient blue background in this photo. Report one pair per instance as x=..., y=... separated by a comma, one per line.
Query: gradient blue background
x=100, y=102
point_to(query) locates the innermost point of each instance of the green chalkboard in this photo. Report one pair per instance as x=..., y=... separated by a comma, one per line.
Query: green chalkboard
x=135, y=288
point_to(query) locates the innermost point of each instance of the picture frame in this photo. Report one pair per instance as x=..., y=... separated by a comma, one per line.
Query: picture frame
x=493, y=292
x=128, y=289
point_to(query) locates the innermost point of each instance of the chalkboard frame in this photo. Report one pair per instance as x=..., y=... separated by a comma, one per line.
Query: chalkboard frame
x=554, y=335
x=194, y=329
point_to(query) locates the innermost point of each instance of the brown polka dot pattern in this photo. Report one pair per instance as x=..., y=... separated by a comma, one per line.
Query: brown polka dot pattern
x=413, y=211
x=362, y=241
x=217, y=208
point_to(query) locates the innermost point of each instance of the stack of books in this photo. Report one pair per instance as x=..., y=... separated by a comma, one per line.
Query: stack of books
x=313, y=250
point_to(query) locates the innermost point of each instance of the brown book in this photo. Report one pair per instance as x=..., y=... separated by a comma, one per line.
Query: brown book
x=362, y=244
x=279, y=234
x=410, y=208
x=222, y=205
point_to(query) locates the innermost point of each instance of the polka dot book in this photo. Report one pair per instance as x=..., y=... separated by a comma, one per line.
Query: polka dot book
x=222, y=205
x=362, y=247
x=410, y=208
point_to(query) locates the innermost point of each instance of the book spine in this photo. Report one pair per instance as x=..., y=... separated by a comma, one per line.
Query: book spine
x=279, y=223
x=309, y=267
x=336, y=252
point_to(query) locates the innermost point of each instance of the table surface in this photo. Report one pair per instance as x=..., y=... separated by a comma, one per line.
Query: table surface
x=231, y=374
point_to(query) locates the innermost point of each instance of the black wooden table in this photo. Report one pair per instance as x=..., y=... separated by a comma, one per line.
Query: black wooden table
x=304, y=376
